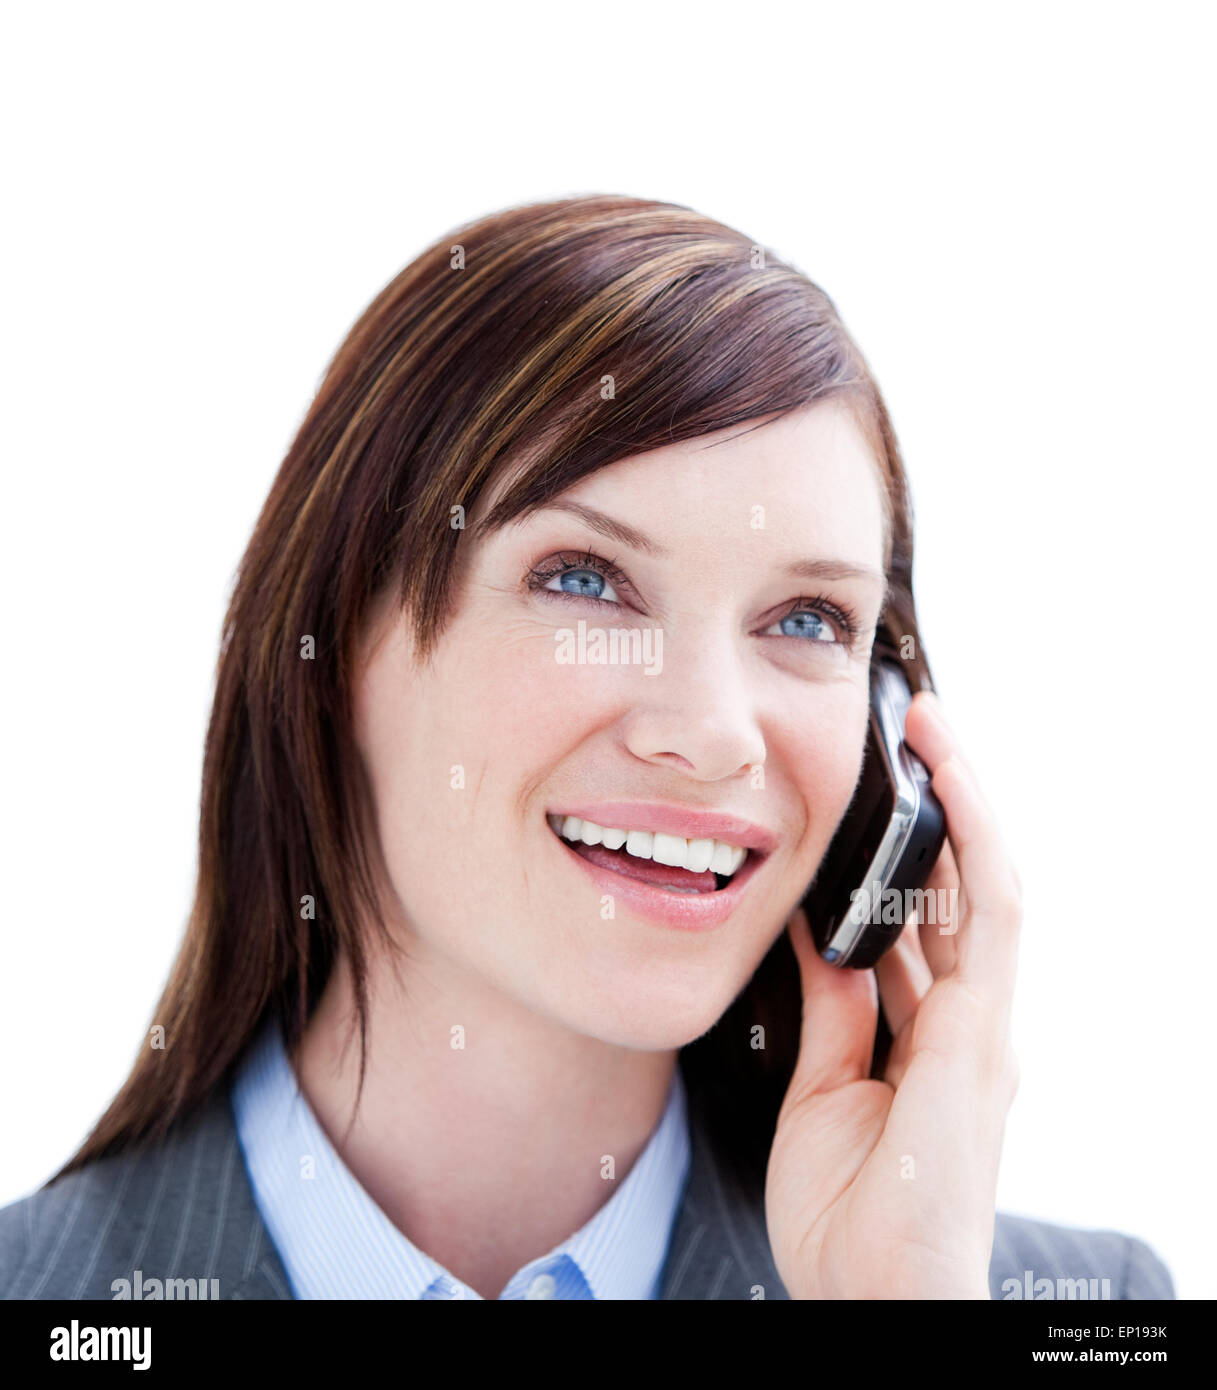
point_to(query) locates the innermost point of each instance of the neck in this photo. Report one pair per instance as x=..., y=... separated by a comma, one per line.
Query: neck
x=483, y=1127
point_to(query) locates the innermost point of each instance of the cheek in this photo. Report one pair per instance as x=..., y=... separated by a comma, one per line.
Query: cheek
x=453, y=750
x=825, y=755
x=525, y=710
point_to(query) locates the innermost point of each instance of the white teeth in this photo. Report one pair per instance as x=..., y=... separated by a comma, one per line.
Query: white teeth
x=670, y=849
x=700, y=853
x=695, y=855
x=726, y=858
x=639, y=843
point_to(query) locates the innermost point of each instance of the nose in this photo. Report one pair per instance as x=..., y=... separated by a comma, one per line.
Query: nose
x=698, y=714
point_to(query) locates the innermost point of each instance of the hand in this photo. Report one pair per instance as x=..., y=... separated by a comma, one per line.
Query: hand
x=886, y=1189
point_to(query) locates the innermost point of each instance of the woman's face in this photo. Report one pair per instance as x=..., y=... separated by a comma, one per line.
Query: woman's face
x=746, y=698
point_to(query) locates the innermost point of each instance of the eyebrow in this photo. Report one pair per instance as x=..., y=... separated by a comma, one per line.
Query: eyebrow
x=608, y=526
x=618, y=531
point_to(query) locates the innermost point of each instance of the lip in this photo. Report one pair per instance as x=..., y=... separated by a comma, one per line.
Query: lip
x=689, y=911
x=686, y=911
x=670, y=819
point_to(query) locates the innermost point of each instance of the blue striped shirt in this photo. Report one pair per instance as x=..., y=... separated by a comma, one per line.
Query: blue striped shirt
x=335, y=1242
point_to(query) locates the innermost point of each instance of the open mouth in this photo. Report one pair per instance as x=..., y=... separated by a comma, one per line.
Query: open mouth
x=663, y=861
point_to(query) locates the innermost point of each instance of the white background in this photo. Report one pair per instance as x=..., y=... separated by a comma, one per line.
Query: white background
x=1010, y=205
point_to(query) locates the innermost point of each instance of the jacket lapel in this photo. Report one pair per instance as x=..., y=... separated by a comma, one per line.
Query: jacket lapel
x=249, y=1268
x=720, y=1242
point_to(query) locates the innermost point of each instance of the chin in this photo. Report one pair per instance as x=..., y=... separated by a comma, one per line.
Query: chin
x=653, y=1020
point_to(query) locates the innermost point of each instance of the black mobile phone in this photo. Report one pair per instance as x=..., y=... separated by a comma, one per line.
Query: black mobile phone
x=888, y=841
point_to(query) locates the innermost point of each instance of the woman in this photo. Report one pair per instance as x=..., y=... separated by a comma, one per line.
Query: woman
x=495, y=983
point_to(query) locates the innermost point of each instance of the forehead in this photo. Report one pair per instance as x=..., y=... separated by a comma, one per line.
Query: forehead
x=806, y=481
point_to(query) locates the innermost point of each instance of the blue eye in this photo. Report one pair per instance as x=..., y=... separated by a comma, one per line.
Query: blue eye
x=579, y=576
x=808, y=625
x=584, y=583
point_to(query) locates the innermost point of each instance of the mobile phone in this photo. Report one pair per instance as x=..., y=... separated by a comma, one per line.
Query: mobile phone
x=888, y=841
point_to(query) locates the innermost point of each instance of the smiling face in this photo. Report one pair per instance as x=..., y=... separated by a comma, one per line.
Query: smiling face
x=755, y=559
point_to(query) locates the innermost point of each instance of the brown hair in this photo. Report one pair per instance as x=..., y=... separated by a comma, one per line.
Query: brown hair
x=488, y=350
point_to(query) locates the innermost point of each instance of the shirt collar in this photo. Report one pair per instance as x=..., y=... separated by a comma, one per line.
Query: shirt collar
x=335, y=1242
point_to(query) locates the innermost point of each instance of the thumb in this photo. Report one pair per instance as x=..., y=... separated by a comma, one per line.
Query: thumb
x=840, y=1014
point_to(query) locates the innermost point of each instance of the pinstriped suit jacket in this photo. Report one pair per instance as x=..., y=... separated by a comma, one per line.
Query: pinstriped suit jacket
x=185, y=1210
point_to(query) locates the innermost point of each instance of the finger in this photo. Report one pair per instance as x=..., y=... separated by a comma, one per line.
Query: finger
x=938, y=925
x=898, y=1058
x=840, y=1011
x=929, y=737
x=929, y=732
x=989, y=910
x=904, y=978
x=987, y=940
